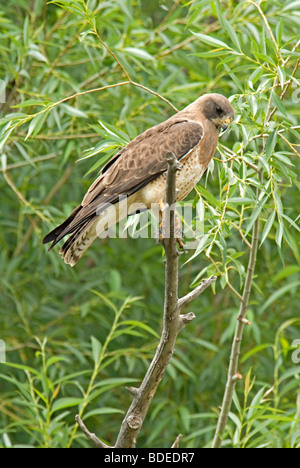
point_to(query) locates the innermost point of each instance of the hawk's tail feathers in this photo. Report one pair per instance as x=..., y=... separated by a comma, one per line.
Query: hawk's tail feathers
x=84, y=229
x=79, y=242
x=60, y=231
x=81, y=236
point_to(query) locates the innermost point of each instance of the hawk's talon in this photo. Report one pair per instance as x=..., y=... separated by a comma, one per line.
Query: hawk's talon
x=181, y=245
x=158, y=236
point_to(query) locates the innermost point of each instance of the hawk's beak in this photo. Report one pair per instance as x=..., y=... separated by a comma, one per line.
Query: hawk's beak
x=225, y=123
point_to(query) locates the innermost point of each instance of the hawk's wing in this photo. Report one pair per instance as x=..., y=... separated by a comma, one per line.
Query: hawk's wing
x=144, y=159
x=141, y=161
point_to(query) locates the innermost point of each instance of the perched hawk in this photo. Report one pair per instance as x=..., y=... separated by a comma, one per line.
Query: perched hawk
x=137, y=173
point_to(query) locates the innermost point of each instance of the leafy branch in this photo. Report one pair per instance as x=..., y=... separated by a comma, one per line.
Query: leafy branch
x=233, y=374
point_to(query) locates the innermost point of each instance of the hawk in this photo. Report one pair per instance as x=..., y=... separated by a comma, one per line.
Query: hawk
x=137, y=172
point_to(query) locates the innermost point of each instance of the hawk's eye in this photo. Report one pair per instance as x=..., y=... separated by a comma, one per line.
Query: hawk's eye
x=219, y=110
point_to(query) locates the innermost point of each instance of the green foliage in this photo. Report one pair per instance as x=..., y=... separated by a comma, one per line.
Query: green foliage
x=82, y=78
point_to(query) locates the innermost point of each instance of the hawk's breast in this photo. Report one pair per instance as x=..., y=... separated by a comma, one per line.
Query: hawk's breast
x=186, y=179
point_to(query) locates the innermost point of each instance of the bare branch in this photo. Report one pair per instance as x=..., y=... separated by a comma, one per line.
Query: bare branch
x=173, y=322
x=177, y=441
x=233, y=375
x=133, y=390
x=135, y=416
x=198, y=290
x=91, y=436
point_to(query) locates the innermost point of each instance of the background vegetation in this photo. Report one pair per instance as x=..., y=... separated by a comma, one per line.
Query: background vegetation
x=76, y=337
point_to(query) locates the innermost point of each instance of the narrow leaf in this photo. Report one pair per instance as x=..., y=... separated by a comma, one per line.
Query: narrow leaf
x=271, y=143
x=212, y=41
x=268, y=226
x=74, y=111
x=36, y=124
x=66, y=402
x=96, y=349
x=279, y=104
x=255, y=214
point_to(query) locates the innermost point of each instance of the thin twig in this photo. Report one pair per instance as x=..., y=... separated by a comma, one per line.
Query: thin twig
x=112, y=54
x=20, y=196
x=198, y=290
x=236, y=345
x=177, y=441
x=268, y=28
x=90, y=435
x=94, y=90
x=53, y=136
x=289, y=144
x=285, y=89
x=53, y=191
x=9, y=167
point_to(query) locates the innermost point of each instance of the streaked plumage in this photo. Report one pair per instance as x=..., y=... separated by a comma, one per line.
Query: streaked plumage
x=138, y=172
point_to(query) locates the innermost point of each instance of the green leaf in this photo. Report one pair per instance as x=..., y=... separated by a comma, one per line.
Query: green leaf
x=112, y=131
x=5, y=134
x=37, y=55
x=100, y=148
x=140, y=53
x=104, y=410
x=211, y=41
x=142, y=325
x=279, y=233
x=203, y=242
x=255, y=214
x=54, y=359
x=212, y=53
x=271, y=143
x=28, y=103
x=227, y=27
x=279, y=104
x=73, y=111
x=285, y=272
x=255, y=350
x=208, y=195
x=240, y=200
x=21, y=367
x=26, y=31
x=291, y=222
x=66, y=402
x=206, y=344
x=235, y=79
x=268, y=225
x=101, y=162
x=182, y=367
x=115, y=382
x=281, y=76
x=279, y=293
x=96, y=349
x=36, y=124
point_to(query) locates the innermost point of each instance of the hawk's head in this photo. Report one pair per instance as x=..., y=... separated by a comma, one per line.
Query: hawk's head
x=217, y=109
